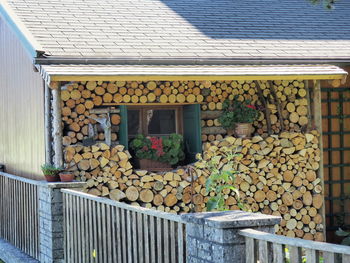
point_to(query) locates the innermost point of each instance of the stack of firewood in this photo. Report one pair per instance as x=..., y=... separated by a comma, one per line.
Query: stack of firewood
x=109, y=173
x=284, y=102
x=277, y=175
x=77, y=103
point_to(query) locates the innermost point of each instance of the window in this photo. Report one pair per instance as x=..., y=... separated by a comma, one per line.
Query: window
x=163, y=120
x=154, y=121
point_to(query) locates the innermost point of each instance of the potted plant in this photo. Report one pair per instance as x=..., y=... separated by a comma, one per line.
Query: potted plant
x=51, y=172
x=158, y=153
x=66, y=175
x=238, y=116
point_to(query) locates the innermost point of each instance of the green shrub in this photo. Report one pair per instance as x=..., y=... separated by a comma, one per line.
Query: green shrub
x=221, y=177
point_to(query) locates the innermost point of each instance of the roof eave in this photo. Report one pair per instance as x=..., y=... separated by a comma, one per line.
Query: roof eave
x=189, y=60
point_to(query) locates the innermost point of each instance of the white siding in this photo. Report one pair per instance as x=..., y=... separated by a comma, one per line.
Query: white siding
x=22, y=147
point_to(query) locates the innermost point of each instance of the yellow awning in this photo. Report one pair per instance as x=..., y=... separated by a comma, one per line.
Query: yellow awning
x=91, y=72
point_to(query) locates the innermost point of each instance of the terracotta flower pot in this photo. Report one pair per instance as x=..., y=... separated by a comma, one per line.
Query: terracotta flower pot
x=243, y=130
x=50, y=178
x=67, y=177
x=152, y=165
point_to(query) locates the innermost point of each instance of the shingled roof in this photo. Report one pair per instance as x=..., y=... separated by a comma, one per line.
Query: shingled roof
x=199, y=29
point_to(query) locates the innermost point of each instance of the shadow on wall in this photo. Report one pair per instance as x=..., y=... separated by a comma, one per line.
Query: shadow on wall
x=267, y=19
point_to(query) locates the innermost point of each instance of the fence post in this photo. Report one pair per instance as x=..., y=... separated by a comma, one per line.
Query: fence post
x=51, y=228
x=213, y=237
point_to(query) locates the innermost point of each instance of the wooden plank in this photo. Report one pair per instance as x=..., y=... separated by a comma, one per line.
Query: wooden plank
x=83, y=222
x=311, y=255
x=295, y=254
x=71, y=235
x=76, y=232
x=146, y=238
x=317, y=110
x=77, y=222
x=278, y=253
x=134, y=236
x=36, y=219
x=108, y=235
x=173, y=237
x=119, y=228
x=181, y=243
x=140, y=238
x=250, y=251
x=129, y=236
x=263, y=252
x=99, y=230
x=153, y=239
x=87, y=216
x=94, y=230
x=115, y=242
x=103, y=228
x=90, y=231
x=124, y=236
x=167, y=250
x=169, y=216
x=328, y=257
x=160, y=251
x=66, y=228
x=297, y=242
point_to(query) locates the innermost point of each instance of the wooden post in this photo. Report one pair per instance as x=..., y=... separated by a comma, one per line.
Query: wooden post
x=309, y=102
x=48, y=134
x=317, y=111
x=57, y=126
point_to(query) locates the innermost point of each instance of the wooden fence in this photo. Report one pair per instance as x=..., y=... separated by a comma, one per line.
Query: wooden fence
x=265, y=248
x=19, y=213
x=102, y=230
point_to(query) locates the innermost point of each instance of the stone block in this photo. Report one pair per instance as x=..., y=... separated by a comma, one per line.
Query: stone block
x=51, y=221
x=213, y=237
x=194, y=230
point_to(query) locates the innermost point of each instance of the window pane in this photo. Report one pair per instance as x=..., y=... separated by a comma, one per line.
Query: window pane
x=134, y=122
x=161, y=122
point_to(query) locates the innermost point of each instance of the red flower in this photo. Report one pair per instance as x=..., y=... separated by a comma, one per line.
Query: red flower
x=251, y=106
x=157, y=144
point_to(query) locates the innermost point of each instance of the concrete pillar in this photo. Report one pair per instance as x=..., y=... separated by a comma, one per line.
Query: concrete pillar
x=51, y=221
x=213, y=237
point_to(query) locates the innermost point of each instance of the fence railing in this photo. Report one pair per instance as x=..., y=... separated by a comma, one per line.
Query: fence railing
x=19, y=213
x=265, y=248
x=102, y=230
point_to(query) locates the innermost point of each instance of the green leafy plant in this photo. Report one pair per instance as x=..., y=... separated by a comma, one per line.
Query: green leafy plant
x=222, y=171
x=166, y=149
x=236, y=111
x=342, y=233
x=50, y=170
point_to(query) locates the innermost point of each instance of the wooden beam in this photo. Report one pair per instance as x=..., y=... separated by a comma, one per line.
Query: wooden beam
x=309, y=102
x=57, y=126
x=48, y=132
x=317, y=110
